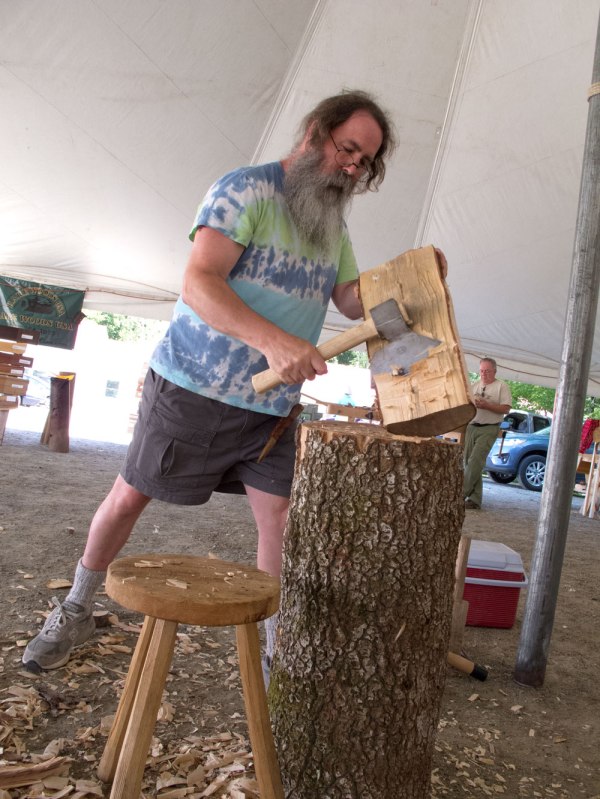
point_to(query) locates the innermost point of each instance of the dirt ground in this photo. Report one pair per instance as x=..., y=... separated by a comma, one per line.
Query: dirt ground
x=495, y=737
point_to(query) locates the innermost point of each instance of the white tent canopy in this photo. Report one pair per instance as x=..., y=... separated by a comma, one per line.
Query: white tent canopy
x=116, y=117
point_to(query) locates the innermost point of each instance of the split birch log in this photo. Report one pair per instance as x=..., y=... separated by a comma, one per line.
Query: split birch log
x=56, y=431
x=366, y=605
x=3, y=420
x=434, y=397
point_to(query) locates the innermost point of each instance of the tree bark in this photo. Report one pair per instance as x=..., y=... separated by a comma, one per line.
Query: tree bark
x=366, y=605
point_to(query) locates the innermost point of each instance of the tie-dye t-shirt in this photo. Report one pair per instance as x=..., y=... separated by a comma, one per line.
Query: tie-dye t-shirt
x=279, y=274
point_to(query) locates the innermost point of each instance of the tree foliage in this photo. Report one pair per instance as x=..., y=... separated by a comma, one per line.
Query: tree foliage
x=528, y=397
x=591, y=409
x=127, y=328
x=352, y=358
x=539, y=399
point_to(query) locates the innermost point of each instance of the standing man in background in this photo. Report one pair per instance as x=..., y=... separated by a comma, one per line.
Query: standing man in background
x=492, y=399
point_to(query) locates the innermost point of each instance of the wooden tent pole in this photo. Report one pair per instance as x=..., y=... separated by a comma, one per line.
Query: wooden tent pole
x=555, y=506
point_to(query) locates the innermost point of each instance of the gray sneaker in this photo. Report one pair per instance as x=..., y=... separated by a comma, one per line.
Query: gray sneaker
x=68, y=626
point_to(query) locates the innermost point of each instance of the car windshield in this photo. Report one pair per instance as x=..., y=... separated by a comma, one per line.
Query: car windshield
x=545, y=433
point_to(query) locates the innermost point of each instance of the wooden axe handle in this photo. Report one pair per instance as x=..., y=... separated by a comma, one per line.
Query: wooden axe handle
x=467, y=666
x=263, y=381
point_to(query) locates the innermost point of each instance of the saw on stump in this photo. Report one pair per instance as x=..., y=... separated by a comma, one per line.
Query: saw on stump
x=366, y=604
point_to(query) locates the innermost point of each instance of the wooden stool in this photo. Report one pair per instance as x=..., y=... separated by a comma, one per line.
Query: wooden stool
x=180, y=589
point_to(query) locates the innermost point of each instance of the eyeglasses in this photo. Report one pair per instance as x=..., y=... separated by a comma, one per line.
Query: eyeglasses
x=343, y=157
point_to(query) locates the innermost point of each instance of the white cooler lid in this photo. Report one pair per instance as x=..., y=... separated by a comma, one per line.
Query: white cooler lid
x=491, y=555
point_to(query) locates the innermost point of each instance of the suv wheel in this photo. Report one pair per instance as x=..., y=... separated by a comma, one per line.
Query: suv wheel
x=532, y=471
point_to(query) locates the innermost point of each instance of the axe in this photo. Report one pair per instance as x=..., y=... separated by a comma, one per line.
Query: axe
x=403, y=346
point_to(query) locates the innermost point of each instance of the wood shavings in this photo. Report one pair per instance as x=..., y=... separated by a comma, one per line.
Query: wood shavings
x=104, y=618
x=88, y=667
x=56, y=783
x=166, y=712
x=15, y=776
x=177, y=793
x=400, y=631
x=196, y=777
x=174, y=583
x=214, y=786
x=59, y=583
x=89, y=787
x=168, y=780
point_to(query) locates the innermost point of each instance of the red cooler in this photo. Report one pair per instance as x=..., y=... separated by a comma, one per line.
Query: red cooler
x=495, y=576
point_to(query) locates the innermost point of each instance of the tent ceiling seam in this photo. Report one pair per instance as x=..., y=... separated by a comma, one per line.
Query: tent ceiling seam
x=290, y=78
x=169, y=79
x=464, y=58
x=98, y=143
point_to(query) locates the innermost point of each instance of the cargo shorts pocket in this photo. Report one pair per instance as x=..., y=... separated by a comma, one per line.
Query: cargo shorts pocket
x=172, y=453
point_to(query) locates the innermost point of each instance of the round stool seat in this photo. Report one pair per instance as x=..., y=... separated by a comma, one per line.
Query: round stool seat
x=192, y=590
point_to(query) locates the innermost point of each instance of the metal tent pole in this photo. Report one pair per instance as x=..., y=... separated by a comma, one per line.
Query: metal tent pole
x=555, y=505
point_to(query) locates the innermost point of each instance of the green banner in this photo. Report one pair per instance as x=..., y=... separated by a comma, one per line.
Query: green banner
x=53, y=310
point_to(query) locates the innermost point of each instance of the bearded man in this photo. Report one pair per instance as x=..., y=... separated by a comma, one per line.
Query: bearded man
x=270, y=250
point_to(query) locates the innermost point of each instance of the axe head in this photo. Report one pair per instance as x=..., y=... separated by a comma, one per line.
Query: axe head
x=403, y=346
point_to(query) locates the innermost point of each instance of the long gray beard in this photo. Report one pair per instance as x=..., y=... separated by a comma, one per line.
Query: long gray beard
x=317, y=202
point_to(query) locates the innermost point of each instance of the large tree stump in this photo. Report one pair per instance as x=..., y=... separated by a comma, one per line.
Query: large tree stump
x=366, y=605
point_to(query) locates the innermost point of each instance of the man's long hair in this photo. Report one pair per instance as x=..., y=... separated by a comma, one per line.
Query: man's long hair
x=333, y=111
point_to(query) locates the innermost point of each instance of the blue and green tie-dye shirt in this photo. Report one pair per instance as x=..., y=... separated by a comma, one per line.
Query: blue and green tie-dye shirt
x=279, y=275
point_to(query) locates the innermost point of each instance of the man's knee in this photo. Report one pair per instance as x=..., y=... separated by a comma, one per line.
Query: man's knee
x=124, y=499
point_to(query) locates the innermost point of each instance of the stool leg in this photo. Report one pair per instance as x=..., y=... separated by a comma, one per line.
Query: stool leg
x=132, y=759
x=112, y=750
x=266, y=765
x=592, y=479
x=460, y=606
x=595, y=478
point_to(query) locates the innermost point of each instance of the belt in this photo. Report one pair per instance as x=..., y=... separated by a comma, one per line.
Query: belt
x=479, y=424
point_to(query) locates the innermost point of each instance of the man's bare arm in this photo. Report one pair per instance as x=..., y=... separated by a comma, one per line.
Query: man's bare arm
x=345, y=297
x=206, y=291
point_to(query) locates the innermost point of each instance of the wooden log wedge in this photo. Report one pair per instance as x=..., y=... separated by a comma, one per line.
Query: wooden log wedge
x=434, y=396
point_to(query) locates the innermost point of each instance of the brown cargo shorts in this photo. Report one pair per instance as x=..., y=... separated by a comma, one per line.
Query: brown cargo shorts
x=185, y=446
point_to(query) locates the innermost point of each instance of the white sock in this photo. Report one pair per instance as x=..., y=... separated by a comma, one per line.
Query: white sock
x=271, y=632
x=85, y=584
